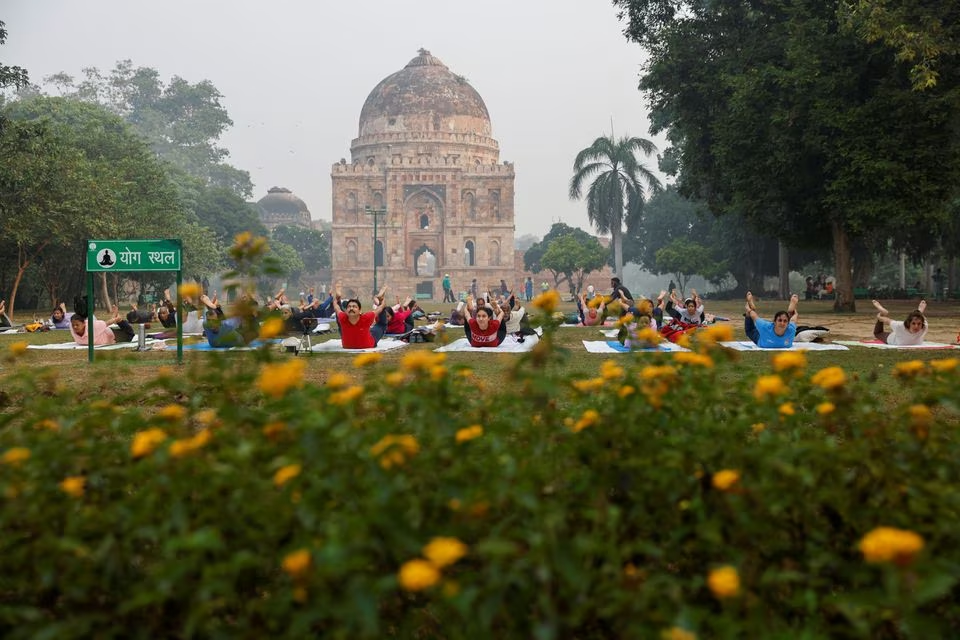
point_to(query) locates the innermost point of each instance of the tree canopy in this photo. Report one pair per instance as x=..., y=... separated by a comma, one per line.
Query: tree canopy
x=777, y=113
x=536, y=258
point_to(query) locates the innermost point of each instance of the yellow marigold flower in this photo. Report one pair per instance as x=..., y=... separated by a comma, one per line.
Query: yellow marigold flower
x=826, y=408
x=48, y=424
x=678, y=633
x=786, y=409
x=589, y=385
x=300, y=594
x=443, y=551
x=726, y=479
x=172, y=412
x=724, y=582
x=272, y=327
x=73, y=486
x=273, y=430
x=469, y=433
x=768, y=387
x=394, y=378
x=465, y=373
x=588, y=419
x=625, y=320
x=758, y=427
x=438, y=373
x=164, y=371
x=625, y=391
x=789, y=361
x=297, y=563
x=889, y=544
x=610, y=370
x=695, y=359
x=189, y=290
x=145, y=442
x=649, y=336
x=285, y=474
x=206, y=417
x=716, y=333
x=661, y=372
x=920, y=419
x=393, y=450
x=338, y=380
x=365, y=359
x=16, y=455
x=909, y=369
x=945, y=365
x=186, y=446
x=830, y=378
x=18, y=349
x=421, y=360
x=547, y=301
x=276, y=379
x=417, y=575
x=346, y=396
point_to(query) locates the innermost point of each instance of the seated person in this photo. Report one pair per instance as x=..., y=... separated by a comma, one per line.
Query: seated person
x=400, y=317
x=517, y=321
x=4, y=318
x=59, y=318
x=911, y=331
x=778, y=334
x=102, y=333
x=361, y=330
x=457, y=316
x=486, y=329
x=691, y=312
x=590, y=314
x=221, y=331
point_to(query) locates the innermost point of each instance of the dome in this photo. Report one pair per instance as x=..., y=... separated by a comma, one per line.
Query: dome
x=282, y=201
x=424, y=96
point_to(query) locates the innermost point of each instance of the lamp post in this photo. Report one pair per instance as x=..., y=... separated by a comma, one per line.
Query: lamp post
x=376, y=213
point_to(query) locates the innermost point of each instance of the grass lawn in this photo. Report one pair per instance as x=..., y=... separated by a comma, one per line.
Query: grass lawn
x=125, y=370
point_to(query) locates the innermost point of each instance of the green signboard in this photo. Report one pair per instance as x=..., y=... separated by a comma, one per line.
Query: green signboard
x=133, y=255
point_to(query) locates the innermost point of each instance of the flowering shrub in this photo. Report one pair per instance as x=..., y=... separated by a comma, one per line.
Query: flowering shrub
x=663, y=497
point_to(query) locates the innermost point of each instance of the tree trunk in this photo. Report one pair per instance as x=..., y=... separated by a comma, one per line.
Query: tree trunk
x=23, y=261
x=843, y=290
x=617, y=235
x=783, y=269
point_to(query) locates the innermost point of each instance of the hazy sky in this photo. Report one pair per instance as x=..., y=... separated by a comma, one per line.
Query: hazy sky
x=295, y=73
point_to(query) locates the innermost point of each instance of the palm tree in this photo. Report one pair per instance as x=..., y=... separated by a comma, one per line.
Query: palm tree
x=617, y=193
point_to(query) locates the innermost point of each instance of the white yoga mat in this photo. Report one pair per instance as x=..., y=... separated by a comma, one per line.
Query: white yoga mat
x=70, y=346
x=336, y=346
x=510, y=344
x=747, y=345
x=612, y=346
x=881, y=345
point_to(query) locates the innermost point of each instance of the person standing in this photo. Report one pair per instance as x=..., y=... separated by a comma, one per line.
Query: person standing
x=528, y=288
x=447, y=289
x=939, y=285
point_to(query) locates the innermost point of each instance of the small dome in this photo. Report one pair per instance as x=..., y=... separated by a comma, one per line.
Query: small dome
x=424, y=96
x=281, y=200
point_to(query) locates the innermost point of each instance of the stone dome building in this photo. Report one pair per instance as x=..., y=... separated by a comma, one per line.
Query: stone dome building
x=425, y=159
x=280, y=206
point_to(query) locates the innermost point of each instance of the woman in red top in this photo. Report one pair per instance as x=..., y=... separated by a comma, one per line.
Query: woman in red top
x=400, y=317
x=485, y=329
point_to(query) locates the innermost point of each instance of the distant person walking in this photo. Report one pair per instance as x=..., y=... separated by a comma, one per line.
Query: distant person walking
x=447, y=289
x=939, y=285
x=528, y=288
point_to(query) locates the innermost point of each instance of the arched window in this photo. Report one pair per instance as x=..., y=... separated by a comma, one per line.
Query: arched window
x=377, y=200
x=352, y=206
x=470, y=205
x=352, y=260
x=378, y=253
x=468, y=253
x=424, y=221
x=494, y=253
x=495, y=205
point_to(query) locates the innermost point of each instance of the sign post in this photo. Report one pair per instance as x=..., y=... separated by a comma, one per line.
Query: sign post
x=133, y=255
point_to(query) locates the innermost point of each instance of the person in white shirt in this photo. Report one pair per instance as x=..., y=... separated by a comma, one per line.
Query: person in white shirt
x=909, y=332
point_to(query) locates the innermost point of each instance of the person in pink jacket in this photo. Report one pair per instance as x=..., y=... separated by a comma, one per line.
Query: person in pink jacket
x=102, y=333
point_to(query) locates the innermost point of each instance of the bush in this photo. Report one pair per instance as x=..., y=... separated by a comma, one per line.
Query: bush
x=420, y=501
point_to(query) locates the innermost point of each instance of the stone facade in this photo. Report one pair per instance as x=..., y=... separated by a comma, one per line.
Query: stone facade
x=281, y=207
x=425, y=193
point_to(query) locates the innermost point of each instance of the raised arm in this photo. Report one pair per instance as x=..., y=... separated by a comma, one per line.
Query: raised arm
x=498, y=310
x=336, y=298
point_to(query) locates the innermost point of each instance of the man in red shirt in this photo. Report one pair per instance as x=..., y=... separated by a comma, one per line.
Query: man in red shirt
x=361, y=330
x=485, y=330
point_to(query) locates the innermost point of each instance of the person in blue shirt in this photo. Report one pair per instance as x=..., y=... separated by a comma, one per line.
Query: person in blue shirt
x=778, y=334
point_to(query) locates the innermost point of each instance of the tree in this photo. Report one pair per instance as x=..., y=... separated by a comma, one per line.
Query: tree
x=574, y=258
x=533, y=257
x=11, y=76
x=779, y=115
x=183, y=122
x=619, y=184
x=311, y=245
x=684, y=258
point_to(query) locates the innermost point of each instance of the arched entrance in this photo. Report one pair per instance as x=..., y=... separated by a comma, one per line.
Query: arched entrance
x=424, y=262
